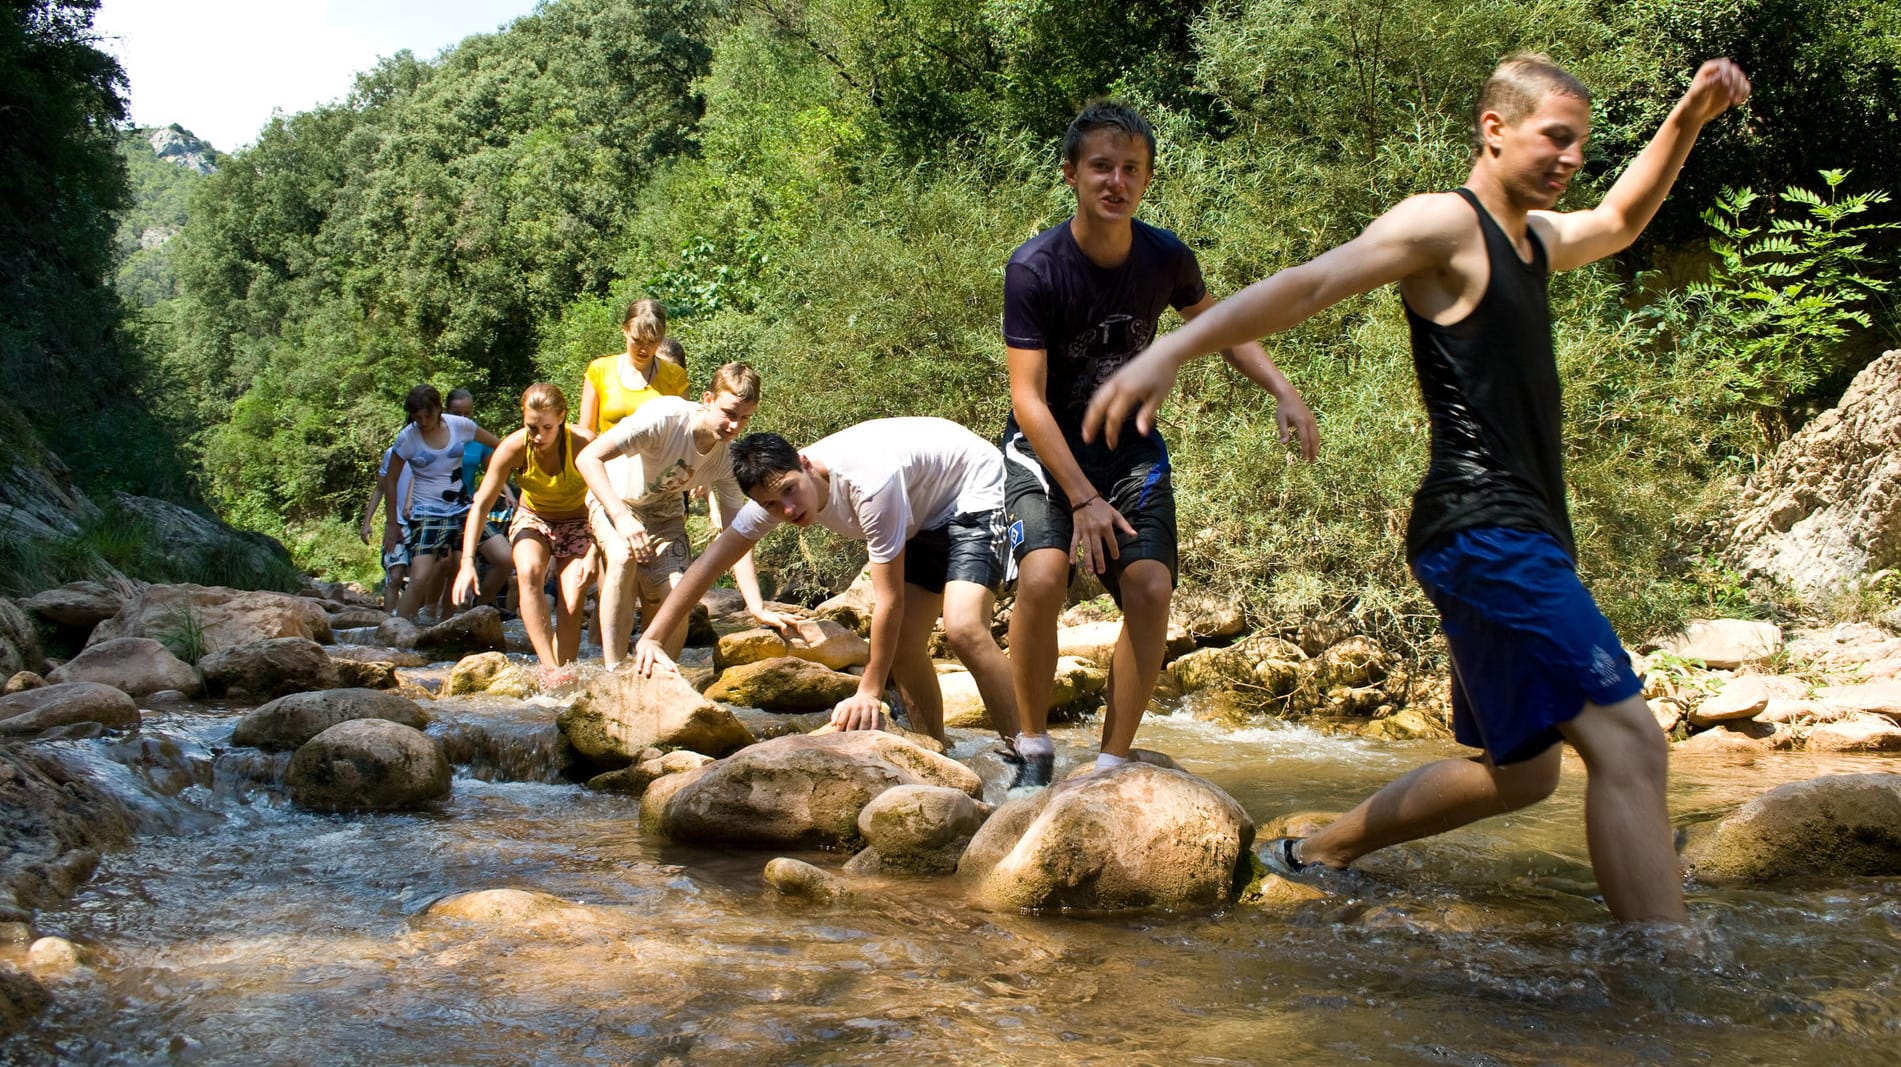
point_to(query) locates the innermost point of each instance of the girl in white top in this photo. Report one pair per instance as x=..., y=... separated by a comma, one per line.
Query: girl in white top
x=431, y=447
x=637, y=473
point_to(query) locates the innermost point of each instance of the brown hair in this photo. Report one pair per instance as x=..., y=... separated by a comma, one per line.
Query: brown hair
x=737, y=379
x=1518, y=86
x=545, y=397
x=648, y=319
x=420, y=399
x=672, y=351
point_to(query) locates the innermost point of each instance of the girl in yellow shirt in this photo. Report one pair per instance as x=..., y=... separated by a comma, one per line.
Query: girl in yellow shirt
x=550, y=528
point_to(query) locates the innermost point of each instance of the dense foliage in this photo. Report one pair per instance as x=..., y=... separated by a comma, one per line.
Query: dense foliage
x=829, y=188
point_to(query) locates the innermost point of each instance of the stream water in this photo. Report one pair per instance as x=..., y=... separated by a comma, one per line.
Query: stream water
x=240, y=930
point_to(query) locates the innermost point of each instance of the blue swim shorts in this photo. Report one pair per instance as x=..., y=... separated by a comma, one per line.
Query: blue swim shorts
x=1529, y=646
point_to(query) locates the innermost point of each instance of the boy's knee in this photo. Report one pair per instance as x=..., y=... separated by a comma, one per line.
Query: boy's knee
x=1146, y=586
x=967, y=636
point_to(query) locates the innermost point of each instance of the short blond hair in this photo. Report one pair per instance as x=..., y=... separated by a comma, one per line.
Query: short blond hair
x=544, y=397
x=737, y=379
x=1518, y=86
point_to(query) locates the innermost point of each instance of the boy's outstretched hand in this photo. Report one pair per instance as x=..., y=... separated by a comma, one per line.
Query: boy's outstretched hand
x=1718, y=86
x=1139, y=387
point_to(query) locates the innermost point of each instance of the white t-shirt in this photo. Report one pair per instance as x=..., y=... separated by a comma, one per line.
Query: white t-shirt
x=892, y=478
x=438, y=488
x=658, y=462
x=403, y=481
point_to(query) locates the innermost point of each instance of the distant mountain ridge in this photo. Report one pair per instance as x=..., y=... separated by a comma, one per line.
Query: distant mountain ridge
x=181, y=146
x=163, y=164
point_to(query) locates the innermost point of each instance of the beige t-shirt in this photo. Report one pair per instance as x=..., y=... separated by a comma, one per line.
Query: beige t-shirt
x=656, y=461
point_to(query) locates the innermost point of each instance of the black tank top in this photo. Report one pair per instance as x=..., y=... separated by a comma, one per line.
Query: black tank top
x=1490, y=383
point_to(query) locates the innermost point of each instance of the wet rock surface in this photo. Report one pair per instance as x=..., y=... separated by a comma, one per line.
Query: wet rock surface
x=1137, y=836
x=262, y=670
x=289, y=721
x=799, y=792
x=224, y=617
x=783, y=683
x=620, y=715
x=1831, y=826
x=368, y=765
x=35, y=711
x=138, y=666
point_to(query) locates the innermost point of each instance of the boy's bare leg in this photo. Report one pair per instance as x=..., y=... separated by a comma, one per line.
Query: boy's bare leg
x=1137, y=660
x=1432, y=799
x=968, y=608
x=911, y=667
x=1626, y=812
x=570, y=610
x=617, y=596
x=1042, y=586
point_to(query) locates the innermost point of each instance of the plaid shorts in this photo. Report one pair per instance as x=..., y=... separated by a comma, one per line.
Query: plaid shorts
x=435, y=535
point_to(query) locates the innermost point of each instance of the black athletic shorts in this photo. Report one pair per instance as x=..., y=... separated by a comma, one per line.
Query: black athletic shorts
x=969, y=548
x=1134, y=479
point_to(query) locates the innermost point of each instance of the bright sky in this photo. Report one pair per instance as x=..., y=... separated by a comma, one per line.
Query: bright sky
x=219, y=68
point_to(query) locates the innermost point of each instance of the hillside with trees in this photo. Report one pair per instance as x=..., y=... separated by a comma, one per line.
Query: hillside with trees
x=828, y=189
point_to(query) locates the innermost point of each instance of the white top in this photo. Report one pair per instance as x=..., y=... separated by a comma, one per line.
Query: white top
x=438, y=489
x=657, y=461
x=894, y=477
x=403, y=481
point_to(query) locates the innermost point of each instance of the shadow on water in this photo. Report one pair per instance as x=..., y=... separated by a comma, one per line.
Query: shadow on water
x=241, y=930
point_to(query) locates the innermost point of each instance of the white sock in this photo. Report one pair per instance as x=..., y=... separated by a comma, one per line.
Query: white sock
x=1035, y=745
x=1104, y=761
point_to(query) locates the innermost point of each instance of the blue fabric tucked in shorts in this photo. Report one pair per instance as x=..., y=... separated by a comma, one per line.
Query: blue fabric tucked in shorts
x=1529, y=646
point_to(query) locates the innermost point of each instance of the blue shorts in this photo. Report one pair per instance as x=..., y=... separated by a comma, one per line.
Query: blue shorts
x=1529, y=646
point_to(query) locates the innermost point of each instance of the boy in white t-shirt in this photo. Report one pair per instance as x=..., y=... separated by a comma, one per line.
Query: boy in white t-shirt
x=430, y=446
x=926, y=497
x=638, y=474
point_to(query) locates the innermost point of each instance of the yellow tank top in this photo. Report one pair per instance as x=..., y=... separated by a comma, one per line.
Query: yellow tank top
x=561, y=493
x=618, y=401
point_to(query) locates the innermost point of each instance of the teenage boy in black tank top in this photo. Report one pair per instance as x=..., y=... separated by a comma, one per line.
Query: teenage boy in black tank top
x=1534, y=664
x=1080, y=300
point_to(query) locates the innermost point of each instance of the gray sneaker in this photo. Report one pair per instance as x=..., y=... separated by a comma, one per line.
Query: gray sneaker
x=1281, y=856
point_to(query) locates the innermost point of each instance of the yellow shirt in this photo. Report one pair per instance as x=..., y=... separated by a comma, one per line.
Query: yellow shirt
x=617, y=401
x=561, y=493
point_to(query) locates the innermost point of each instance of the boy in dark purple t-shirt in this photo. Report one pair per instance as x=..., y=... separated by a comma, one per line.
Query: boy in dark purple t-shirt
x=1080, y=300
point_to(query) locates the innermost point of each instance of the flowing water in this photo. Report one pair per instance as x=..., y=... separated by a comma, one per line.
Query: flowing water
x=239, y=930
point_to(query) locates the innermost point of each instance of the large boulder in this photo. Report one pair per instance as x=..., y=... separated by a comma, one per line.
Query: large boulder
x=1848, y=824
x=289, y=721
x=19, y=641
x=1745, y=697
x=1231, y=667
x=1207, y=618
x=1137, y=836
x=490, y=672
x=1856, y=733
x=398, y=632
x=1871, y=698
x=964, y=708
x=783, y=683
x=819, y=640
x=76, y=606
x=800, y=791
x=219, y=617
x=1826, y=508
x=368, y=765
x=54, y=822
x=266, y=669
x=1725, y=644
x=35, y=711
x=139, y=666
x=621, y=714
x=918, y=828
x=475, y=630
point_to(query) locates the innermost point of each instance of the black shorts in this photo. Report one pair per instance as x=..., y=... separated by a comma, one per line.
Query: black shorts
x=1136, y=481
x=969, y=548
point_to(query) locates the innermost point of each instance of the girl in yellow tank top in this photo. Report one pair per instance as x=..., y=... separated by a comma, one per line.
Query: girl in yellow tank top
x=550, y=529
x=615, y=386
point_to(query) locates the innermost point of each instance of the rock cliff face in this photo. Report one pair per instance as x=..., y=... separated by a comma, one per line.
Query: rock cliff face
x=1827, y=508
x=181, y=146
